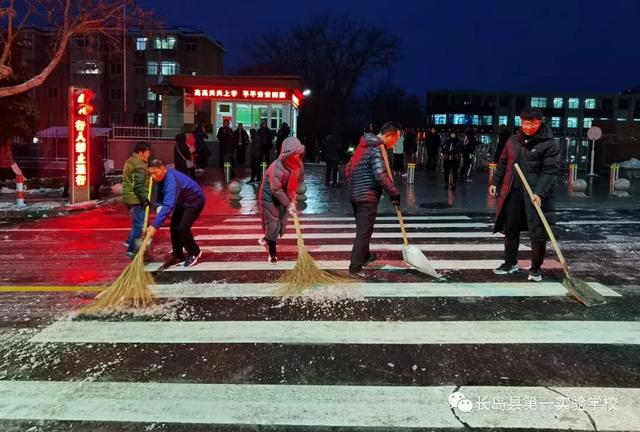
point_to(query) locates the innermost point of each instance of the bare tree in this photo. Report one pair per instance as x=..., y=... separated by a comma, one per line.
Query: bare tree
x=67, y=19
x=332, y=55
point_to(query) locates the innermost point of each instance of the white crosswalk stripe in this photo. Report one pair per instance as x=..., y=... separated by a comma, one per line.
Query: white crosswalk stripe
x=530, y=321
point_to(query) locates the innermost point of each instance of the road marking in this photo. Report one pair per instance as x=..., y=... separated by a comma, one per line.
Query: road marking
x=351, y=235
x=378, y=290
x=351, y=218
x=341, y=265
x=43, y=288
x=600, y=222
x=344, y=332
x=384, y=407
x=431, y=247
x=337, y=226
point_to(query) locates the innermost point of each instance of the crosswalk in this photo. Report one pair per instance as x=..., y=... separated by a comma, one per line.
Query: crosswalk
x=224, y=349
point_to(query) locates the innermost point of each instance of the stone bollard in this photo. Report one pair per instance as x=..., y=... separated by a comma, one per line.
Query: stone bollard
x=301, y=193
x=578, y=188
x=573, y=175
x=614, y=173
x=234, y=190
x=411, y=173
x=621, y=187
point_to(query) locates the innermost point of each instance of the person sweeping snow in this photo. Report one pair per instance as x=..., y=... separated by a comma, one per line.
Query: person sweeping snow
x=277, y=194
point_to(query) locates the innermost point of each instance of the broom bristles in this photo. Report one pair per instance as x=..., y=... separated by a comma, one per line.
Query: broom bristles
x=305, y=274
x=131, y=289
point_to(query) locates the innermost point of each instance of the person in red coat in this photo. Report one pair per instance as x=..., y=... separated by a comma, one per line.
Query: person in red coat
x=538, y=155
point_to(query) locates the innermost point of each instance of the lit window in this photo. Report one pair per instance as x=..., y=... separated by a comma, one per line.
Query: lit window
x=487, y=120
x=154, y=119
x=574, y=103
x=636, y=119
x=152, y=96
x=556, y=122
x=558, y=102
x=621, y=119
x=165, y=43
x=152, y=68
x=587, y=122
x=475, y=120
x=572, y=122
x=85, y=67
x=141, y=43
x=459, y=119
x=439, y=119
x=169, y=68
x=539, y=102
x=516, y=120
x=503, y=120
x=589, y=103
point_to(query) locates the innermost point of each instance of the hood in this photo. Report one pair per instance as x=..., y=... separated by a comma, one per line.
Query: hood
x=291, y=146
x=372, y=140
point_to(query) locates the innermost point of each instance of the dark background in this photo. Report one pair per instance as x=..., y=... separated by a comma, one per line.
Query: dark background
x=560, y=45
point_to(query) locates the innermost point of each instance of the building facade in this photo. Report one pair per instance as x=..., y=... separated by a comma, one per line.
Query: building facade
x=569, y=115
x=120, y=78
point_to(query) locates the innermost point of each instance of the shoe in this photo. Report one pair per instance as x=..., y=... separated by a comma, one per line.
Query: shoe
x=357, y=274
x=272, y=259
x=173, y=261
x=534, y=276
x=371, y=258
x=192, y=260
x=506, y=269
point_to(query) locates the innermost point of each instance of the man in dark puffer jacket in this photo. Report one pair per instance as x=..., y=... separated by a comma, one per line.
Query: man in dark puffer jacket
x=367, y=178
x=537, y=154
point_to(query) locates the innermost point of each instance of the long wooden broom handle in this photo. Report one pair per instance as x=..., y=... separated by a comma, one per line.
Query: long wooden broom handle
x=543, y=219
x=296, y=223
x=383, y=150
x=146, y=210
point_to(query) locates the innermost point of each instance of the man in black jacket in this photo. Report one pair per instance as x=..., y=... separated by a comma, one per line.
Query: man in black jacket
x=451, y=152
x=367, y=178
x=433, y=145
x=537, y=154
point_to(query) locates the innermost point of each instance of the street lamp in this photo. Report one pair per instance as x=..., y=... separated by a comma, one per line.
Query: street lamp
x=306, y=92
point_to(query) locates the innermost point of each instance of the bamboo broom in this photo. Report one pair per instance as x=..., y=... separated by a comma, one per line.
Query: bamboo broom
x=305, y=274
x=131, y=289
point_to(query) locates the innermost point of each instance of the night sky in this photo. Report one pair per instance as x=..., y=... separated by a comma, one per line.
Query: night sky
x=559, y=45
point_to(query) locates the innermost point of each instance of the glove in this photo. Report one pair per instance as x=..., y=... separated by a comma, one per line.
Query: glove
x=395, y=200
x=291, y=208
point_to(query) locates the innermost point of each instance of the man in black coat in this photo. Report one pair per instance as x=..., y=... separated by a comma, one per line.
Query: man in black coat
x=367, y=178
x=470, y=144
x=225, y=138
x=433, y=145
x=331, y=155
x=537, y=154
x=451, y=151
x=266, y=141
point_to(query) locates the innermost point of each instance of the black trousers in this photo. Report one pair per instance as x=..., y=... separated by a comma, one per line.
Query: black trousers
x=241, y=154
x=451, y=167
x=466, y=166
x=432, y=159
x=515, y=222
x=331, y=173
x=265, y=154
x=256, y=170
x=182, y=220
x=365, y=220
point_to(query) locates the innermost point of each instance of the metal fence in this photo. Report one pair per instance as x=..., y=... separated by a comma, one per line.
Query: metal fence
x=143, y=133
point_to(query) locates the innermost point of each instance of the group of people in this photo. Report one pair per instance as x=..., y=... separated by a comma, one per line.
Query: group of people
x=457, y=156
x=533, y=148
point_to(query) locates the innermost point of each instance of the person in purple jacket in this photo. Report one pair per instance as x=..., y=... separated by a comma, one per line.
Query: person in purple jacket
x=181, y=195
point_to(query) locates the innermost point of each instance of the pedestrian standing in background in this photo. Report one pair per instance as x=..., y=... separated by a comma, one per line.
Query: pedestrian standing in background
x=503, y=137
x=433, y=144
x=332, y=157
x=241, y=143
x=256, y=154
x=398, y=157
x=266, y=141
x=410, y=146
x=182, y=155
x=282, y=134
x=470, y=144
x=225, y=138
x=451, y=152
x=202, y=151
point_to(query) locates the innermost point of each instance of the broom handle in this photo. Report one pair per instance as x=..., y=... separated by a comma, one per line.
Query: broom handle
x=544, y=221
x=146, y=210
x=383, y=150
x=296, y=223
